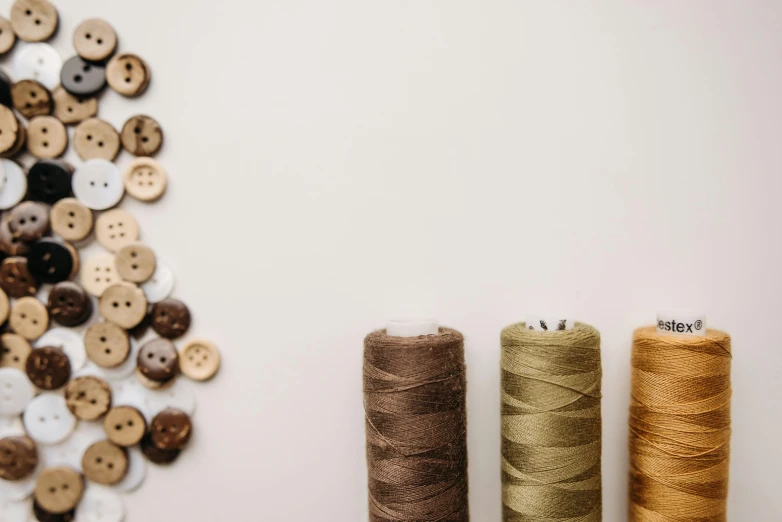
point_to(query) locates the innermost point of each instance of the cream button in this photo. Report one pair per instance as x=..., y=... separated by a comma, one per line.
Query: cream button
x=116, y=228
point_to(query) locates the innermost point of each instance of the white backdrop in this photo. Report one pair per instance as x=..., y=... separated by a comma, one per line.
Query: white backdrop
x=334, y=163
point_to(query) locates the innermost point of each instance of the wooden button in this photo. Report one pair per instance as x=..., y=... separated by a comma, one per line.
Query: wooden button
x=88, y=398
x=158, y=360
x=70, y=109
x=97, y=274
x=59, y=489
x=104, y=463
x=170, y=429
x=115, y=229
x=95, y=40
x=69, y=304
x=142, y=135
x=199, y=359
x=18, y=457
x=5, y=306
x=71, y=220
x=51, y=261
x=107, y=344
x=9, y=130
x=46, y=137
x=48, y=368
x=155, y=454
x=170, y=318
x=31, y=98
x=123, y=304
x=128, y=74
x=7, y=36
x=9, y=244
x=16, y=279
x=124, y=426
x=82, y=78
x=135, y=262
x=145, y=179
x=41, y=515
x=49, y=180
x=28, y=318
x=95, y=138
x=33, y=20
x=16, y=148
x=29, y=221
x=14, y=350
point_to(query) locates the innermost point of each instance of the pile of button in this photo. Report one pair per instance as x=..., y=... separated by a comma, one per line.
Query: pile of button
x=86, y=398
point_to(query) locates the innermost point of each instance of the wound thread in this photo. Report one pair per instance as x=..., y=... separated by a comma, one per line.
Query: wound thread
x=551, y=425
x=416, y=427
x=679, y=427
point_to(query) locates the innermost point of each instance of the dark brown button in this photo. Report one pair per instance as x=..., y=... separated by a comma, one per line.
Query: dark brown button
x=31, y=98
x=29, y=221
x=141, y=135
x=104, y=463
x=155, y=454
x=124, y=426
x=95, y=40
x=7, y=36
x=69, y=304
x=18, y=458
x=158, y=360
x=10, y=129
x=14, y=350
x=41, y=515
x=170, y=429
x=170, y=318
x=69, y=109
x=59, y=489
x=88, y=398
x=127, y=74
x=52, y=261
x=33, y=20
x=8, y=243
x=16, y=279
x=48, y=368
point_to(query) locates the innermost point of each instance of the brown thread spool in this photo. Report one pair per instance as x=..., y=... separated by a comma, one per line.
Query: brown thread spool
x=416, y=427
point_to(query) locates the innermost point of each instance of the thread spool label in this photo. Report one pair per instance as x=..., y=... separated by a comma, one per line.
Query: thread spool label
x=693, y=325
x=551, y=323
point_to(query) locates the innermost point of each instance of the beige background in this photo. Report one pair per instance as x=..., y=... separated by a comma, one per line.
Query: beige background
x=333, y=163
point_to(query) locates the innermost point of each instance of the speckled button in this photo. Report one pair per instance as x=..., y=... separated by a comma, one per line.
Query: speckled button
x=107, y=344
x=9, y=244
x=96, y=138
x=88, y=397
x=95, y=40
x=145, y=179
x=49, y=180
x=158, y=360
x=97, y=274
x=59, y=489
x=48, y=368
x=155, y=454
x=124, y=425
x=98, y=184
x=141, y=135
x=18, y=457
x=29, y=221
x=16, y=279
x=199, y=359
x=116, y=228
x=170, y=429
x=170, y=318
x=31, y=98
x=7, y=36
x=14, y=350
x=123, y=304
x=33, y=20
x=105, y=463
x=127, y=74
x=39, y=62
x=46, y=137
x=50, y=261
x=14, y=185
x=69, y=304
x=16, y=391
x=135, y=262
x=69, y=109
x=70, y=219
x=10, y=128
x=67, y=340
x=28, y=317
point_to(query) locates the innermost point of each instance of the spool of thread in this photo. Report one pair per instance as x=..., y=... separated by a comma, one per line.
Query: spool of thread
x=416, y=425
x=551, y=424
x=679, y=423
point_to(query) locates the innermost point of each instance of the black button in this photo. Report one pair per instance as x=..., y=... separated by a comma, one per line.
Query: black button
x=50, y=261
x=49, y=181
x=69, y=304
x=82, y=78
x=5, y=90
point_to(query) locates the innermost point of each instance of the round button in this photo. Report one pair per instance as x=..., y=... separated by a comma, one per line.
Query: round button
x=59, y=489
x=47, y=419
x=16, y=391
x=116, y=228
x=70, y=219
x=7, y=36
x=46, y=137
x=69, y=304
x=95, y=138
x=155, y=454
x=69, y=109
x=31, y=98
x=40, y=62
x=170, y=429
x=95, y=40
x=5, y=307
x=199, y=359
x=145, y=179
x=97, y=274
x=18, y=457
x=16, y=279
x=142, y=135
x=170, y=318
x=161, y=284
x=29, y=221
x=9, y=244
x=14, y=185
x=10, y=129
x=49, y=180
x=98, y=184
x=158, y=360
x=127, y=74
x=82, y=78
x=137, y=471
x=33, y=20
x=5, y=90
x=107, y=344
x=135, y=262
x=28, y=317
x=123, y=304
x=69, y=342
x=50, y=261
x=88, y=398
x=124, y=425
x=100, y=504
x=48, y=368
x=14, y=350
x=104, y=463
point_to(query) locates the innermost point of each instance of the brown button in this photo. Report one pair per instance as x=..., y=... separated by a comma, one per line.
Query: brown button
x=5, y=306
x=33, y=20
x=123, y=304
x=127, y=74
x=158, y=360
x=46, y=137
x=145, y=179
x=70, y=109
x=71, y=220
x=48, y=368
x=31, y=98
x=199, y=359
x=14, y=350
x=10, y=128
x=8, y=243
x=88, y=398
x=95, y=138
x=170, y=429
x=15, y=278
x=18, y=458
x=41, y=515
x=28, y=318
x=124, y=426
x=69, y=304
x=116, y=228
x=107, y=344
x=21, y=138
x=142, y=135
x=59, y=489
x=98, y=273
x=7, y=36
x=170, y=318
x=104, y=463
x=155, y=454
x=94, y=40
x=29, y=221
x=136, y=262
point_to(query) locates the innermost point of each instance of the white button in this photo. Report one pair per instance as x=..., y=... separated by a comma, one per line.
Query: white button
x=98, y=184
x=48, y=420
x=100, y=504
x=179, y=396
x=69, y=342
x=70, y=451
x=11, y=426
x=130, y=392
x=16, y=391
x=125, y=369
x=38, y=61
x=18, y=489
x=98, y=273
x=15, y=511
x=14, y=184
x=161, y=284
x=137, y=471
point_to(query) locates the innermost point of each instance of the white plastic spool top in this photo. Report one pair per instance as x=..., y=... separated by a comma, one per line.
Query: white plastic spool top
x=688, y=323
x=412, y=327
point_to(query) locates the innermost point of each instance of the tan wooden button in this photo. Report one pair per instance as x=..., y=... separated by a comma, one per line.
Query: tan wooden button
x=116, y=228
x=142, y=135
x=95, y=138
x=14, y=350
x=59, y=489
x=98, y=273
x=199, y=359
x=71, y=220
x=145, y=179
x=16, y=279
x=33, y=20
x=31, y=98
x=127, y=74
x=29, y=318
x=135, y=262
x=88, y=398
x=124, y=426
x=9, y=130
x=69, y=109
x=16, y=148
x=95, y=40
x=123, y=304
x=104, y=463
x=5, y=306
x=46, y=137
x=7, y=36
x=107, y=344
